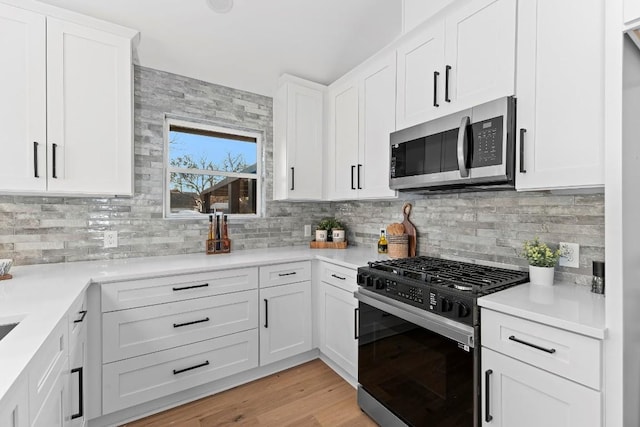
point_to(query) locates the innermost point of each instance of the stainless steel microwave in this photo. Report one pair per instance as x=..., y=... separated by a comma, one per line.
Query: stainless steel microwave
x=471, y=148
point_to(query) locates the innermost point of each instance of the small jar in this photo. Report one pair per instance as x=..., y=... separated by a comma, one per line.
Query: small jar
x=597, y=282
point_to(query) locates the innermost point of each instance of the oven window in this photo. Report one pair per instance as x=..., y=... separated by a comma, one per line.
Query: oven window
x=423, y=377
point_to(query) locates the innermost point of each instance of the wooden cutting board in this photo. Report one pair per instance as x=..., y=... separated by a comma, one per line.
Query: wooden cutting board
x=410, y=229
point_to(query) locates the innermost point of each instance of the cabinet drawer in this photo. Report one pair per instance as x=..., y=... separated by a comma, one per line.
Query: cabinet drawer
x=44, y=369
x=565, y=353
x=281, y=274
x=77, y=319
x=141, y=379
x=138, y=293
x=342, y=277
x=130, y=333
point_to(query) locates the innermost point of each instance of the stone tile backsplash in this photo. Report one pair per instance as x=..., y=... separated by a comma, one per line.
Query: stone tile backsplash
x=488, y=226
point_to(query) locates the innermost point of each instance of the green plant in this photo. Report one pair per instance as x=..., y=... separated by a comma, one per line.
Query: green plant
x=329, y=223
x=539, y=254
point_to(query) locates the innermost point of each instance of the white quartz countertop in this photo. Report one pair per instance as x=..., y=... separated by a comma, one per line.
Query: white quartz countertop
x=567, y=306
x=39, y=296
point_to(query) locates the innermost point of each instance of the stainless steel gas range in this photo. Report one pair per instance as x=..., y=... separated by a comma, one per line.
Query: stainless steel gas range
x=418, y=339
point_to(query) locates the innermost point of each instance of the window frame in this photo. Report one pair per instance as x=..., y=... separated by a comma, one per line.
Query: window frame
x=168, y=169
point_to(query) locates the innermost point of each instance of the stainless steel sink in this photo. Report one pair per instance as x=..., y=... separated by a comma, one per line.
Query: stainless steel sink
x=5, y=329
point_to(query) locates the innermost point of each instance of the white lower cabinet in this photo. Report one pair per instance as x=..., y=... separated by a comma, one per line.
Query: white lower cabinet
x=140, y=379
x=519, y=395
x=338, y=319
x=14, y=409
x=285, y=321
x=54, y=407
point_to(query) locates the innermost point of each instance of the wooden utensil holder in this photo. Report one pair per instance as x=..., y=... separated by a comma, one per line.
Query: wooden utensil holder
x=224, y=246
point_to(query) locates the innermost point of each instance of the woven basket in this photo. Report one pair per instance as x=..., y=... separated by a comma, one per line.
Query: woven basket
x=398, y=246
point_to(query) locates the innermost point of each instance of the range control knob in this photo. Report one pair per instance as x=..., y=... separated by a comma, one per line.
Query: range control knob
x=365, y=280
x=445, y=305
x=462, y=310
x=379, y=283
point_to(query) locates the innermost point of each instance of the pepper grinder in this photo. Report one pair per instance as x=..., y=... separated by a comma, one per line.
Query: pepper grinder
x=597, y=282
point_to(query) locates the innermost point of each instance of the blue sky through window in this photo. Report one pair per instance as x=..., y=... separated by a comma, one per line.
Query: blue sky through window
x=212, y=148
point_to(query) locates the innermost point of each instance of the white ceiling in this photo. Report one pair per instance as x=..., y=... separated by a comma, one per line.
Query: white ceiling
x=252, y=45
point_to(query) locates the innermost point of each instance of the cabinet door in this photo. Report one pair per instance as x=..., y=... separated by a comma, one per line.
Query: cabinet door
x=89, y=110
x=480, y=51
x=304, y=145
x=560, y=90
x=338, y=318
x=378, y=120
x=23, y=100
x=420, y=89
x=14, y=411
x=77, y=374
x=517, y=394
x=343, y=146
x=52, y=412
x=285, y=321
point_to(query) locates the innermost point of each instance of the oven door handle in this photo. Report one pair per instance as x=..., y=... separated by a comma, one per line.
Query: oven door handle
x=456, y=331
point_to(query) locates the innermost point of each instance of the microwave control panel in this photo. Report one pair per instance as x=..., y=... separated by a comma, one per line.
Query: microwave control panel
x=487, y=142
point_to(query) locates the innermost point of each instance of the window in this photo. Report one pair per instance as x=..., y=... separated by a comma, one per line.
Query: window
x=211, y=168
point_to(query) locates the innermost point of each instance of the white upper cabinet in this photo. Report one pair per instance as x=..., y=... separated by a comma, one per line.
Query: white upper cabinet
x=450, y=65
x=632, y=11
x=68, y=108
x=23, y=100
x=298, y=139
x=361, y=117
x=560, y=92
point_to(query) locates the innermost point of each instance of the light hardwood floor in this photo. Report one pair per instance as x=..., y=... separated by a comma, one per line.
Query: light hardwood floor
x=307, y=395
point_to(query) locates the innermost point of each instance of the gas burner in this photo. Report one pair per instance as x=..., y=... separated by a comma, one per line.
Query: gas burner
x=463, y=287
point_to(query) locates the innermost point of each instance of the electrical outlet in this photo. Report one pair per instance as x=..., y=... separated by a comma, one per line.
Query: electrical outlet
x=307, y=230
x=570, y=255
x=110, y=239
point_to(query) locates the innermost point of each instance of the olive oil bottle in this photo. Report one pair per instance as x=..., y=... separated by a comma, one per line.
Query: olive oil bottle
x=383, y=245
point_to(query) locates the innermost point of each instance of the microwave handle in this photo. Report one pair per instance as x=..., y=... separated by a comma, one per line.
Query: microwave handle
x=463, y=147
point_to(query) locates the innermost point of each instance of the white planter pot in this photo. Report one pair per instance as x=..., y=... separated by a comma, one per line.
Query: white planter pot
x=321, y=235
x=337, y=235
x=541, y=275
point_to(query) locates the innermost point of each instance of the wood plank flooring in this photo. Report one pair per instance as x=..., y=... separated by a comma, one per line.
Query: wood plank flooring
x=307, y=395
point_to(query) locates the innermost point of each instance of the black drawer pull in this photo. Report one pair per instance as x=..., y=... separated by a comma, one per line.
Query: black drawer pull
x=487, y=398
x=82, y=313
x=184, y=288
x=446, y=83
x=286, y=274
x=293, y=178
x=359, y=167
x=179, y=325
x=179, y=371
x=35, y=160
x=353, y=168
x=356, y=332
x=435, y=89
x=522, y=168
x=80, y=393
x=54, y=148
x=338, y=277
x=537, y=347
x=266, y=313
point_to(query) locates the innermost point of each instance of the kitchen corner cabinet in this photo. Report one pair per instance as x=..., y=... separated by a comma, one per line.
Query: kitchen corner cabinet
x=298, y=140
x=560, y=93
x=338, y=317
x=438, y=67
x=285, y=311
x=538, y=375
x=67, y=107
x=362, y=115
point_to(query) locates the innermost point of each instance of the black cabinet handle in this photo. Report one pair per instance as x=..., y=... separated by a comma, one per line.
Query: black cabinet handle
x=266, y=313
x=353, y=167
x=446, y=83
x=179, y=325
x=179, y=371
x=522, y=132
x=487, y=397
x=35, y=160
x=435, y=89
x=537, y=347
x=82, y=313
x=287, y=274
x=54, y=148
x=184, y=288
x=80, y=393
x=293, y=178
x=359, y=167
x=338, y=277
x=356, y=333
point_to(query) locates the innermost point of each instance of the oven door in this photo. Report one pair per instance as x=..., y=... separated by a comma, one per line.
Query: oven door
x=414, y=366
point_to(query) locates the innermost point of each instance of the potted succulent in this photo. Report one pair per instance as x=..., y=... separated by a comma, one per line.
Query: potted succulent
x=542, y=261
x=330, y=227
